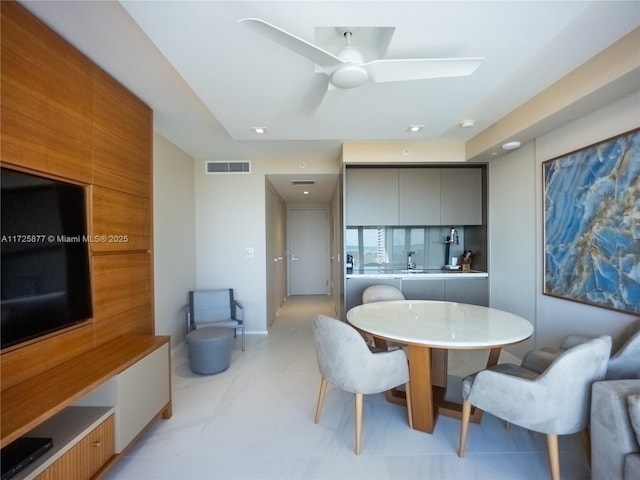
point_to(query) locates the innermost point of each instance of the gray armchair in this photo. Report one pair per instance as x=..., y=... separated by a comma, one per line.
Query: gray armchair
x=623, y=364
x=554, y=402
x=615, y=430
x=346, y=362
x=215, y=308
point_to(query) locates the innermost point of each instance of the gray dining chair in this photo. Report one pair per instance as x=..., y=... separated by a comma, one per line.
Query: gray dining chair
x=380, y=293
x=624, y=362
x=345, y=361
x=554, y=402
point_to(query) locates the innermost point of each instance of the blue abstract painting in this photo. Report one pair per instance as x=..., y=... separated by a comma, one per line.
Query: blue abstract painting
x=592, y=224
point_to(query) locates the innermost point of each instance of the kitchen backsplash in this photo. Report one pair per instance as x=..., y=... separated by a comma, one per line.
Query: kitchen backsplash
x=389, y=246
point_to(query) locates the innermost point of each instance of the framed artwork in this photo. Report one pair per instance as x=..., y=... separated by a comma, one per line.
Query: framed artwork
x=592, y=224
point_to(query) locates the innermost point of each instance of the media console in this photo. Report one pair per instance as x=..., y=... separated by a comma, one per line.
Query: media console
x=93, y=407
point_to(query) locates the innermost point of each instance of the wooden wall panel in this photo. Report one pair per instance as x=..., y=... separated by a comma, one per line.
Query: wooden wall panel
x=121, y=138
x=137, y=321
x=64, y=117
x=122, y=284
x=46, y=98
x=20, y=364
x=121, y=221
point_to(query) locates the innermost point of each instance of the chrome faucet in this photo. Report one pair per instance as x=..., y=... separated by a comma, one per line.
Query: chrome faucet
x=453, y=236
x=410, y=263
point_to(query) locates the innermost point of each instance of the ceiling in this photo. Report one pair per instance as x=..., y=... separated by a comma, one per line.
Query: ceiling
x=209, y=79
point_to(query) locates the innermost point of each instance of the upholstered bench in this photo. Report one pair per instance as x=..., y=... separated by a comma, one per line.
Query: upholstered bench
x=210, y=349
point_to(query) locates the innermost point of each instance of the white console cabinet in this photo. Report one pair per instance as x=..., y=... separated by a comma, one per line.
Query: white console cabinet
x=93, y=407
x=137, y=395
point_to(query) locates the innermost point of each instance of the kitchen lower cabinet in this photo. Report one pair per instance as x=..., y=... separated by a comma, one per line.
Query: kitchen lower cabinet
x=468, y=290
x=462, y=290
x=421, y=289
x=355, y=287
x=474, y=291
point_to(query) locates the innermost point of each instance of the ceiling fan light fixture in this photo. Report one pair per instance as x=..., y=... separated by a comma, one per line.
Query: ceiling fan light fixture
x=349, y=76
x=414, y=128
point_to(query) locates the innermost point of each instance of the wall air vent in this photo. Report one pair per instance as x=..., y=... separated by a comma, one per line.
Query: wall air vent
x=220, y=168
x=303, y=183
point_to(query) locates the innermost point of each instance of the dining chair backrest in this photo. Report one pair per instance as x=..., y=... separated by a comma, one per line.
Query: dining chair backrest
x=381, y=293
x=344, y=359
x=569, y=379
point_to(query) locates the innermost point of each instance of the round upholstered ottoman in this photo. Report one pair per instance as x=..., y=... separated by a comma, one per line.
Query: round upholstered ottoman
x=210, y=349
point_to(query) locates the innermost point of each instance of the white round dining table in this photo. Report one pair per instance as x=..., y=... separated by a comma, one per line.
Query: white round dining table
x=429, y=329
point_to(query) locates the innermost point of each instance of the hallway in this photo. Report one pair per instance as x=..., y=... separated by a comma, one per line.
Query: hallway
x=255, y=421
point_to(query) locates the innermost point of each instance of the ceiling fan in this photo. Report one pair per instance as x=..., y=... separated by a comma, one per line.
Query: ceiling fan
x=348, y=69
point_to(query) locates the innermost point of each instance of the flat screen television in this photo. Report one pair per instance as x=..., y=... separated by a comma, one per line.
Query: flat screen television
x=46, y=283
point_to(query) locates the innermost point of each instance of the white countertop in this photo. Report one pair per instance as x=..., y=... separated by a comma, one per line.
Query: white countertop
x=440, y=324
x=422, y=274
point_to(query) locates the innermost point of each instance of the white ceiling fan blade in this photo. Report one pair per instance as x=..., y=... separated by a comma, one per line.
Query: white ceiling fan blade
x=315, y=95
x=381, y=71
x=293, y=43
x=333, y=97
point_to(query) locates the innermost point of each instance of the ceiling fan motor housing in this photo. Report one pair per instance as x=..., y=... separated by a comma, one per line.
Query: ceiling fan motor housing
x=351, y=74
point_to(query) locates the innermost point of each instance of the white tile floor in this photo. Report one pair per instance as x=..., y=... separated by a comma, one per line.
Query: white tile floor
x=255, y=421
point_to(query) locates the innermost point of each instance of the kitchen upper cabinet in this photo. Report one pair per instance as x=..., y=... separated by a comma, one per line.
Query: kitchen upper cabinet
x=461, y=196
x=371, y=196
x=419, y=194
x=413, y=196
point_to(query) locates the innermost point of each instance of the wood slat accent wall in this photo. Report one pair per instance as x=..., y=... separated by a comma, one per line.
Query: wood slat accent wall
x=63, y=117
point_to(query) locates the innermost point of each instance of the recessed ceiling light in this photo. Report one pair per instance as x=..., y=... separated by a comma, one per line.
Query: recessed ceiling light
x=415, y=128
x=259, y=130
x=467, y=123
x=306, y=192
x=511, y=145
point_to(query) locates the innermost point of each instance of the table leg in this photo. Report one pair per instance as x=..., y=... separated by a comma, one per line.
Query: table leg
x=494, y=355
x=422, y=406
x=453, y=409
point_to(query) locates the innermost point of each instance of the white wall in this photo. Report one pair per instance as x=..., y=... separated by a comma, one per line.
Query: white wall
x=174, y=236
x=515, y=229
x=512, y=236
x=230, y=219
